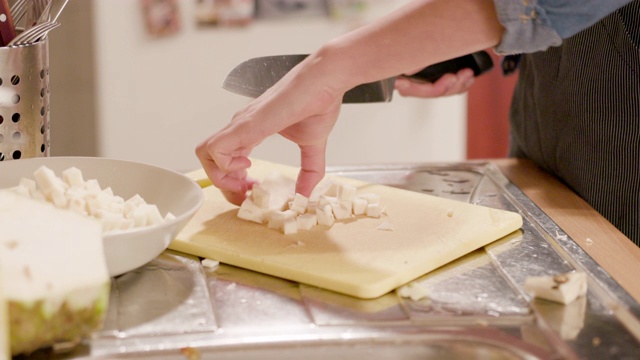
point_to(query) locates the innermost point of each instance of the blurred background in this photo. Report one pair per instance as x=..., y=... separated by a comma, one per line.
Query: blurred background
x=141, y=80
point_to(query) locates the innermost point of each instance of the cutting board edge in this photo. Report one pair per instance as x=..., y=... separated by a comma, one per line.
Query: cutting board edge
x=382, y=287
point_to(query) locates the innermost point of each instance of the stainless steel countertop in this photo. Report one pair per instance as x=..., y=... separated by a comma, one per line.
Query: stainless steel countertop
x=175, y=308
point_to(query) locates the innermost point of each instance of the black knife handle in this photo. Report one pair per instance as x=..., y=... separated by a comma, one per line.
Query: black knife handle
x=479, y=62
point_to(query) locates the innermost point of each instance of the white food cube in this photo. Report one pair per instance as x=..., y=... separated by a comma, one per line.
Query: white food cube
x=306, y=221
x=325, y=216
x=299, y=203
x=341, y=210
x=325, y=200
x=359, y=206
x=116, y=207
x=281, y=190
x=373, y=210
x=93, y=186
x=277, y=218
x=154, y=216
x=346, y=192
x=290, y=226
x=110, y=221
x=58, y=198
x=73, y=177
x=108, y=191
x=312, y=206
x=169, y=216
x=136, y=200
x=47, y=180
x=251, y=212
x=260, y=196
x=138, y=217
x=78, y=204
x=126, y=224
x=149, y=213
x=210, y=263
x=563, y=288
x=328, y=187
x=87, y=198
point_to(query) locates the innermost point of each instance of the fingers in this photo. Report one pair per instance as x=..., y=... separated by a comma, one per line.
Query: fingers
x=227, y=170
x=312, y=168
x=448, y=84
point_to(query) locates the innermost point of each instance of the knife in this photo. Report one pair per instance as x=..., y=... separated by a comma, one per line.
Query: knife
x=254, y=76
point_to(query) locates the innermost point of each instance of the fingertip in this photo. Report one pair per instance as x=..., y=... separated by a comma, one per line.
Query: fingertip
x=235, y=198
x=312, y=168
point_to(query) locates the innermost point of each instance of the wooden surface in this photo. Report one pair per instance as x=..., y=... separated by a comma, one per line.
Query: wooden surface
x=352, y=257
x=618, y=255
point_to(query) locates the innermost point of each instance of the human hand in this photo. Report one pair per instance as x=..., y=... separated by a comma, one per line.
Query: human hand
x=448, y=84
x=300, y=109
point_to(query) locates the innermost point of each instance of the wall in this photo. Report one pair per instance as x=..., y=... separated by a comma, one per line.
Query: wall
x=153, y=99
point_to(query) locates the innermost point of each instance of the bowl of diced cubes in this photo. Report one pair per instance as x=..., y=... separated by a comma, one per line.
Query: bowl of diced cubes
x=141, y=207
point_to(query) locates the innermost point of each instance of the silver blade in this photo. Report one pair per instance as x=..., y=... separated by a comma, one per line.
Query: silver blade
x=253, y=77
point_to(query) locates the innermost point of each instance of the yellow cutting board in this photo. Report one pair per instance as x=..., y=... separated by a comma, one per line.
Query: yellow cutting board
x=352, y=257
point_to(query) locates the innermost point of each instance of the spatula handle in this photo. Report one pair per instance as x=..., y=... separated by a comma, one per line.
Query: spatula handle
x=479, y=62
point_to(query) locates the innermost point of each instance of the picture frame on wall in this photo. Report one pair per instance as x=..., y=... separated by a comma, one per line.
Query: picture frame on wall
x=279, y=9
x=161, y=17
x=224, y=12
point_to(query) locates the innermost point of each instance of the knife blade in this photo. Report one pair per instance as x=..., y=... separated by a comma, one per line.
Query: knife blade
x=254, y=76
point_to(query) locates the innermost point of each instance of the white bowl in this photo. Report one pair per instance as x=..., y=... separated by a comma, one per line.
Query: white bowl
x=170, y=191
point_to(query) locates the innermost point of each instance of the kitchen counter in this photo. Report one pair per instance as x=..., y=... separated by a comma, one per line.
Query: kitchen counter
x=475, y=306
x=611, y=249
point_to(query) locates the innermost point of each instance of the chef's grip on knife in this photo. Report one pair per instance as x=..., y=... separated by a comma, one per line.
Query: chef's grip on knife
x=479, y=62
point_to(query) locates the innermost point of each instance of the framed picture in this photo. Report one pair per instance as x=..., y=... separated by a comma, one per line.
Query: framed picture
x=225, y=12
x=270, y=9
x=161, y=17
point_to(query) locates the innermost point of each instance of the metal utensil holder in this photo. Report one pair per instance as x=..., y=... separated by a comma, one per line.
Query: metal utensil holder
x=24, y=101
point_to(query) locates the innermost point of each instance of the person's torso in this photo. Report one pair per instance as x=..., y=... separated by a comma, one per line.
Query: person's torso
x=576, y=113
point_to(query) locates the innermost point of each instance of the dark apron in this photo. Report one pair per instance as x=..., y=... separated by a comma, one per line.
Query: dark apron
x=576, y=113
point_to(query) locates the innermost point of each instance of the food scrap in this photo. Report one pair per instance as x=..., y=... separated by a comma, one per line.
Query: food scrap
x=210, y=263
x=561, y=288
x=413, y=291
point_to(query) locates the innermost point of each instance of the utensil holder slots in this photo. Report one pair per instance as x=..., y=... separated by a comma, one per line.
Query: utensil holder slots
x=24, y=101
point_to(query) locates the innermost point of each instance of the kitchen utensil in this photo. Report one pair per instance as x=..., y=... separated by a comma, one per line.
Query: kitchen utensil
x=37, y=14
x=353, y=257
x=24, y=107
x=254, y=76
x=33, y=34
x=19, y=9
x=7, y=28
x=56, y=9
x=170, y=191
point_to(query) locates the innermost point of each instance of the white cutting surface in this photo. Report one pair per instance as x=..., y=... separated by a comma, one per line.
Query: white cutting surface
x=352, y=257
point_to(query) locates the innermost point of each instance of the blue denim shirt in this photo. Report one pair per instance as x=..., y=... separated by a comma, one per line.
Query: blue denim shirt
x=535, y=25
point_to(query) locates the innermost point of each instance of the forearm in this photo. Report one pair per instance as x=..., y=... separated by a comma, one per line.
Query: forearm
x=419, y=34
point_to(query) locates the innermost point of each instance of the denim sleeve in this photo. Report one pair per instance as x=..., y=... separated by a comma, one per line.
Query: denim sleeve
x=535, y=25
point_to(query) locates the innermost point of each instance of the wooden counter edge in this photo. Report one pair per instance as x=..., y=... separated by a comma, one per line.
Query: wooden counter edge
x=611, y=249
